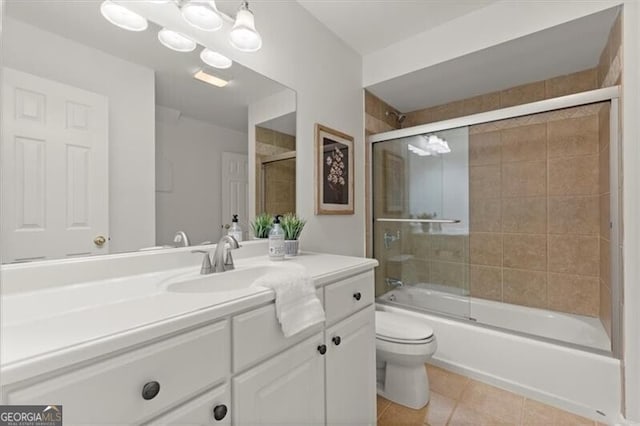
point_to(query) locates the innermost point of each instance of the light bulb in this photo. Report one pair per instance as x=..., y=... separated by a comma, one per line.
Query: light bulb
x=122, y=17
x=176, y=41
x=215, y=59
x=202, y=15
x=244, y=36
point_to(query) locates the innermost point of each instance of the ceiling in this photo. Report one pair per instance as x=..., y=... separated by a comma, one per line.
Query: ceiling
x=284, y=124
x=370, y=25
x=567, y=48
x=175, y=88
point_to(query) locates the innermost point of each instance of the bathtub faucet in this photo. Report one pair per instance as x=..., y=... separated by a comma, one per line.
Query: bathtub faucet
x=393, y=282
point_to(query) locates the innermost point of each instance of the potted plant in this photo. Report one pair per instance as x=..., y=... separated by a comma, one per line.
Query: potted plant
x=261, y=225
x=292, y=226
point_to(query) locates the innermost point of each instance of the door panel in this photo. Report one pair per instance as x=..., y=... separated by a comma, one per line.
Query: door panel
x=351, y=375
x=54, y=169
x=293, y=379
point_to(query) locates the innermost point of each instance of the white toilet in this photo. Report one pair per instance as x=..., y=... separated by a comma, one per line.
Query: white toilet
x=403, y=345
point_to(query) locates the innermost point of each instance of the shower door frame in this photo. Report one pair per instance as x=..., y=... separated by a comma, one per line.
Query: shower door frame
x=608, y=94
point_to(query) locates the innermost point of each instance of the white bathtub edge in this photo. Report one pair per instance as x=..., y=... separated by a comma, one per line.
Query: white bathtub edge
x=496, y=361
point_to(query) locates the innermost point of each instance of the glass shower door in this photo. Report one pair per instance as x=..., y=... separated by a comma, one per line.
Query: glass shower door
x=421, y=221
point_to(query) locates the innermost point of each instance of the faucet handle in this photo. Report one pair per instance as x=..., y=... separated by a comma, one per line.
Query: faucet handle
x=206, y=267
x=228, y=262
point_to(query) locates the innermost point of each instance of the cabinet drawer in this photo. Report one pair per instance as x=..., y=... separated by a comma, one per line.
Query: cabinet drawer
x=110, y=391
x=212, y=408
x=348, y=296
x=257, y=334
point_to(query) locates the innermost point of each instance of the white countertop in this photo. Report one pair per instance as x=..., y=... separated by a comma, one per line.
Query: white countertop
x=52, y=328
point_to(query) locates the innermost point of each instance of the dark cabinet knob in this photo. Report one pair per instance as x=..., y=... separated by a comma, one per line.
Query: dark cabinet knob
x=357, y=296
x=220, y=412
x=322, y=349
x=150, y=390
x=336, y=340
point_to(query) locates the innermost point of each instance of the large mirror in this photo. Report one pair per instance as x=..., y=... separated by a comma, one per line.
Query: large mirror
x=109, y=142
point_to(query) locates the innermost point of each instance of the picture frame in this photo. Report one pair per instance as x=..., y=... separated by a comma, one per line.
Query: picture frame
x=393, y=183
x=334, y=172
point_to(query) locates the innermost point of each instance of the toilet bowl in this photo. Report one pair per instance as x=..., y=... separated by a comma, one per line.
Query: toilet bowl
x=403, y=345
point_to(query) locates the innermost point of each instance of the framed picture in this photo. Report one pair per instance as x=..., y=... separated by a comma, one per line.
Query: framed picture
x=334, y=172
x=393, y=183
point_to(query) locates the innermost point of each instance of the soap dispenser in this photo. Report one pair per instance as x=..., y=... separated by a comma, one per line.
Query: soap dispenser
x=235, y=230
x=276, y=240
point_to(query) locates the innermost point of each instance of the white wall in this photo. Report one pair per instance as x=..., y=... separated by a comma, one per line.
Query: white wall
x=507, y=20
x=302, y=54
x=188, y=164
x=131, y=92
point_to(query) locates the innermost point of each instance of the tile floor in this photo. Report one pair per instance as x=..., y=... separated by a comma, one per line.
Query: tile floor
x=459, y=400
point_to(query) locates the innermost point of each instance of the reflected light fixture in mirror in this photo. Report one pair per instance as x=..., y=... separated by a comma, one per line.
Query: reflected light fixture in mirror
x=215, y=59
x=176, y=41
x=210, y=79
x=122, y=17
x=244, y=36
x=202, y=14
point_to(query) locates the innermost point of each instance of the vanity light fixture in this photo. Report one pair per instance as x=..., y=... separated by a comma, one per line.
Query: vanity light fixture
x=176, y=41
x=202, y=14
x=243, y=35
x=210, y=79
x=122, y=17
x=215, y=59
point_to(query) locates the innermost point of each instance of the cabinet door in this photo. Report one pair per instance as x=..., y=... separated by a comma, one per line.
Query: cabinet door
x=351, y=380
x=285, y=390
x=212, y=408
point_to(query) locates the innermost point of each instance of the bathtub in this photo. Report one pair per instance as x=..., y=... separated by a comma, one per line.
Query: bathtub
x=578, y=330
x=586, y=382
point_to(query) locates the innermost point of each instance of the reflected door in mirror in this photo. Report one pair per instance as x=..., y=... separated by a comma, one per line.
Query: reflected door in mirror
x=54, y=171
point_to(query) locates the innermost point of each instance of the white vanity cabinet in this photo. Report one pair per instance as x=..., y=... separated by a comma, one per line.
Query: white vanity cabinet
x=137, y=385
x=212, y=408
x=350, y=370
x=286, y=389
x=236, y=370
x=326, y=379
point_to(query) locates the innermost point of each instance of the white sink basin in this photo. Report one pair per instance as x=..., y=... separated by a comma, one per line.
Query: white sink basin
x=237, y=279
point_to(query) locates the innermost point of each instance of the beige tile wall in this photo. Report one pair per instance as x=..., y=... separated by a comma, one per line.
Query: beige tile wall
x=531, y=92
x=539, y=198
x=535, y=210
x=280, y=186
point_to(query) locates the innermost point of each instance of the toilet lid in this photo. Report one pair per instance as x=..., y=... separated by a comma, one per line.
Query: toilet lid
x=398, y=327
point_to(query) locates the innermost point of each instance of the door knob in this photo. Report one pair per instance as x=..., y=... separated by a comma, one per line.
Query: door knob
x=357, y=296
x=99, y=240
x=336, y=340
x=322, y=349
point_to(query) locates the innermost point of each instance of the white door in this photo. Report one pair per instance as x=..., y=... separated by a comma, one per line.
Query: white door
x=235, y=189
x=55, y=200
x=285, y=390
x=351, y=370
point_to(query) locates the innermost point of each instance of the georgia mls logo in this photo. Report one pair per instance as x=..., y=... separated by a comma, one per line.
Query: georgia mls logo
x=30, y=415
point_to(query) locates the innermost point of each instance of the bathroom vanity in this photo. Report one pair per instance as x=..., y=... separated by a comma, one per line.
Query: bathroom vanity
x=165, y=345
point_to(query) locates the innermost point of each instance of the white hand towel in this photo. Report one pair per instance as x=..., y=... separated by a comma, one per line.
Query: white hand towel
x=297, y=306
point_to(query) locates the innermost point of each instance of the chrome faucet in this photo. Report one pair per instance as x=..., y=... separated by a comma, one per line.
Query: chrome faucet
x=393, y=282
x=181, y=239
x=222, y=259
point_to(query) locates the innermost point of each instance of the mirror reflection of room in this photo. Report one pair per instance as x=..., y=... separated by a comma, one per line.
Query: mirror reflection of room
x=146, y=154
x=276, y=165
